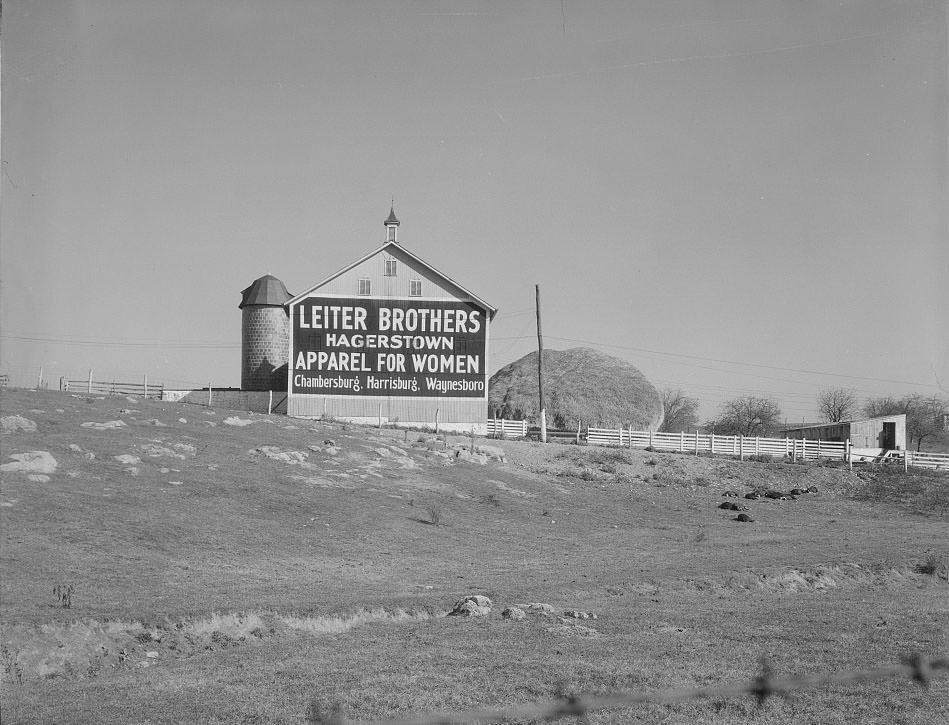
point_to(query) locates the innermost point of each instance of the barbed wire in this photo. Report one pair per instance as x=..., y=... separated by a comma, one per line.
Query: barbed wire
x=917, y=667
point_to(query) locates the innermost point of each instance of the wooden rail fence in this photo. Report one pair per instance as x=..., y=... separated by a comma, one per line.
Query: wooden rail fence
x=500, y=428
x=926, y=460
x=102, y=387
x=740, y=446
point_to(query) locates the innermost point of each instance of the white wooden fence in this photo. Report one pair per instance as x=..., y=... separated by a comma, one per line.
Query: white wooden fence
x=926, y=460
x=500, y=428
x=740, y=446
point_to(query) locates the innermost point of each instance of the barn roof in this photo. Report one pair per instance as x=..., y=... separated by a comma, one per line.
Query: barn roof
x=396, y=248
x=267, y=290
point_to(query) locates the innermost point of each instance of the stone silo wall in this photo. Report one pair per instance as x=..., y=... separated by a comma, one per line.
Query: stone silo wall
x=265, y=344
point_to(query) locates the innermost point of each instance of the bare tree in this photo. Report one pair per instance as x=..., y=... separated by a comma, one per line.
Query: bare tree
x=836, y=404
x=681, y=411
x=925, y=415
x=748, y=416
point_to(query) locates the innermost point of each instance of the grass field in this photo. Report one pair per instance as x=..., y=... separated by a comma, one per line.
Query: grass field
x=224, y=567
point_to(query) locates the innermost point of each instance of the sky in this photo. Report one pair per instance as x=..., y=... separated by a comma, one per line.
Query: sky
x=745, y=197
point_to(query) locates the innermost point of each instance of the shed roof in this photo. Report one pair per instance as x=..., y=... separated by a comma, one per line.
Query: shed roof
x=268, y=290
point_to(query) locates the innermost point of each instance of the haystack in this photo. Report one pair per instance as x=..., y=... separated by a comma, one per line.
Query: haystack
x=580, y=384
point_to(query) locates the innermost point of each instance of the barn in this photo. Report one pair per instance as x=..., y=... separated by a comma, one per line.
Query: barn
x=389, y=339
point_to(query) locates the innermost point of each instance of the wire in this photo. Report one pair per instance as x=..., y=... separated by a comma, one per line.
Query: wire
x=127, y=343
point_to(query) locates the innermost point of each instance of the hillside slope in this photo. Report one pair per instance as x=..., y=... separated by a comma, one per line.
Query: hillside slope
x=228, y=567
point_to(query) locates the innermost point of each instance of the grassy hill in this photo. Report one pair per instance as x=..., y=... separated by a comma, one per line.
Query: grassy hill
x=580, y=384
x=228, y=567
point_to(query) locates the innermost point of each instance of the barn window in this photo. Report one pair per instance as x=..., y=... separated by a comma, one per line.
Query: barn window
x=365, y=286
x=415, y=288
x=390, y=268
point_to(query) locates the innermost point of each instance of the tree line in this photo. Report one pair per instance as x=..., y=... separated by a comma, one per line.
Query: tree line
x=927, y=416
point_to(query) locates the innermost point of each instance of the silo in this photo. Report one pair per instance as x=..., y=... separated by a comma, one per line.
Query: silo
x=265, y=335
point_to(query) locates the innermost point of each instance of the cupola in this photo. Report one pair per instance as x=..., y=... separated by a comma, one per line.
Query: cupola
x=392, y=226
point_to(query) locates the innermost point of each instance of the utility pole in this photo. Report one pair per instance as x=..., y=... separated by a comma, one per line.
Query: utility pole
x=540, y=372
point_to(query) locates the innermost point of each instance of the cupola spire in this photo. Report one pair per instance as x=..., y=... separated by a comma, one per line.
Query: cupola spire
x=392, y=225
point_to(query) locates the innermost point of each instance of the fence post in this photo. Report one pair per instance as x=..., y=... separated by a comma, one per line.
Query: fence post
x=39, y=379
x=650, y=439
x=145, y=386
x=848, y=454
x=818, y=449
x=905, y=461
x=578, y=431
x=380, y=415
x=696, y=441
x=629, y=434
x=436, y=421
x=681, y=441
x=741, y=448
x=209, y=394
x=270, y=403
x=794, y=452
x=756, y=446
x=712, y=443
x=90, y=381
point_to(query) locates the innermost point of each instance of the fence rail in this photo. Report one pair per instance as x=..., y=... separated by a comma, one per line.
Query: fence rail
x=500, y=428
x=144, y=388
x=918, y=668
x=740, y=446
x=927, y=460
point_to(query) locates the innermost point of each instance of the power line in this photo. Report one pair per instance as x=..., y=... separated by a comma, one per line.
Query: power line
x=748, y=364
x=725, y=362
x=191, y=345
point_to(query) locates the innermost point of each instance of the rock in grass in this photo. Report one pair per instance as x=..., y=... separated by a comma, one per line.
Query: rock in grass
x=31, y=462
x=515, y=614
x=745, y=518
x=578, y=614
x=474, y=605
x=108, y=425
x=541, y=608
x=13, y=423
x=237, y=421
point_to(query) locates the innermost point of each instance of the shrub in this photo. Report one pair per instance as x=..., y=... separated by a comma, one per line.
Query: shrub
x=63, y=594
x=434, y=514
x=931, y=565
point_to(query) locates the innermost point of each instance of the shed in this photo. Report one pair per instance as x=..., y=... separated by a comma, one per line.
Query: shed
x=887, y=432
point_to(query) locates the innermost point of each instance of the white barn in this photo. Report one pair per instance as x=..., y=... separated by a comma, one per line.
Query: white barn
x=389, y=339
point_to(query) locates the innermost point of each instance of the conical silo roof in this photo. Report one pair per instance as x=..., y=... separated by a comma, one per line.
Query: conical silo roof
x=268, y=291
